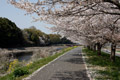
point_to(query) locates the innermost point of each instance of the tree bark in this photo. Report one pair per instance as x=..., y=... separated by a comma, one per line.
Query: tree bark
x=88, y=47
x=94, y=47
x=113, y=51
x=98, y=49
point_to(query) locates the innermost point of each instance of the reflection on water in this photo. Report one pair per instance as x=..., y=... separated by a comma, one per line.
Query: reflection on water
x=23, y=56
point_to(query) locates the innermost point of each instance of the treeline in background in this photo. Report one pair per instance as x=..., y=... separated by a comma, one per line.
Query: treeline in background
x=12, y=36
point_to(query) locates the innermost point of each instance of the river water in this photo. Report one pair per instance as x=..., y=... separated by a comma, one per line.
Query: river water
x=23, y=56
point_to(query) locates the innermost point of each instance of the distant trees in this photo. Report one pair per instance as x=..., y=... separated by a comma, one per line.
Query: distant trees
x=40, y=38
x=54, y=39
x=33, y=35
x=64, y=40
x=10, y=34
x=57, y=39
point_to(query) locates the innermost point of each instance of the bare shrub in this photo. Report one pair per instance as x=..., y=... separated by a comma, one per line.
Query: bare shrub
x=45, y=52
x=42, y=53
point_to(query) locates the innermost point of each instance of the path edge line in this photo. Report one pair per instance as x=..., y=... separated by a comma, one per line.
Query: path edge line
x=86, y=66
x=34, y=73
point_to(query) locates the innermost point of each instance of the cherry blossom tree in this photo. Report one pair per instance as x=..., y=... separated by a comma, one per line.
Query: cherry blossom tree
x=60, y=8
x=96, y=30
x=92, y=22
x=81, y=28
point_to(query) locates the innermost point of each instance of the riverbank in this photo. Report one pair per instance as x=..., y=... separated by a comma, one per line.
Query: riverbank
x=33, y=66
x=25, y=55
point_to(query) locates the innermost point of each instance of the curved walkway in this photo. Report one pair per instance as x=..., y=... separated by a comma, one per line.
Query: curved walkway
x=68, y=67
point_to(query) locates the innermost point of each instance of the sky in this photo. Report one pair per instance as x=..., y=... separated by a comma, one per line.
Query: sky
x=19, y=18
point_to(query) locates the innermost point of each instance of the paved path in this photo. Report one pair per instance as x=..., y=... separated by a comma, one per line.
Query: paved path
x=68, y=67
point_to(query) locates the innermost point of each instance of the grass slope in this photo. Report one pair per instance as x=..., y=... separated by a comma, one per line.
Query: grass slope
x=106, y=70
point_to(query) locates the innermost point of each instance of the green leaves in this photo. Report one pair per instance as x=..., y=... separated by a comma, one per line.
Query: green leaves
x=20, y=72
x=10, y=34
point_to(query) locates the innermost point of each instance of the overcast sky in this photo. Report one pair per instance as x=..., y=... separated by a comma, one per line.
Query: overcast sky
x=18, y=17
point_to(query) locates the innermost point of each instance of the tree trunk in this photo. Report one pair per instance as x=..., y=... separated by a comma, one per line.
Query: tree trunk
x=113, y=50
x=94, y=47
x=98, y=49
x=88, y=47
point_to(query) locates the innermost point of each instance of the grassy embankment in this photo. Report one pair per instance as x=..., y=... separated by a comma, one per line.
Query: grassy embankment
x=101, y=67
x=22, y=72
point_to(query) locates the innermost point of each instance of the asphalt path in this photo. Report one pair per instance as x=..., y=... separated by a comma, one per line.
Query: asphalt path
x=68, y=67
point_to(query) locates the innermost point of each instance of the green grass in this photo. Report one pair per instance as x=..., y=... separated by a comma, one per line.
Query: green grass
x=118, y=51
x=112, y=69
x=36, y=65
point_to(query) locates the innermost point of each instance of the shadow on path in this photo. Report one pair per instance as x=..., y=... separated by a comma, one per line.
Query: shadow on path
x=70, y=75
x=77, y=59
